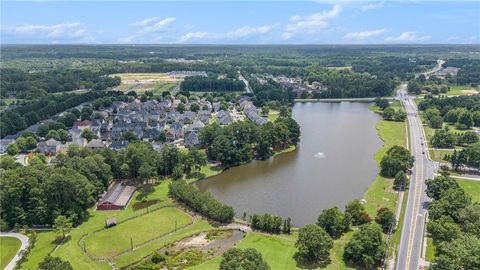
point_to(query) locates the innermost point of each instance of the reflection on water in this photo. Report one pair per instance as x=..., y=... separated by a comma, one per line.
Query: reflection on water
x=332, y=165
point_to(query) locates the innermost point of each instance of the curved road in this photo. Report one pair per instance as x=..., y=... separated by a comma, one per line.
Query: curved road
x=411, y=240
x=23, y=247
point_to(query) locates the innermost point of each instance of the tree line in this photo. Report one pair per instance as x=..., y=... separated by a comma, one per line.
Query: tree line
x=21, y=84
x=454, y=225
x=201, y=202
x=210, y=84
x=19, y=118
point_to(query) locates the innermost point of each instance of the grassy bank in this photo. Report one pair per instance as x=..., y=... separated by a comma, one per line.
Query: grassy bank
x=8, y=248
x=471, y=187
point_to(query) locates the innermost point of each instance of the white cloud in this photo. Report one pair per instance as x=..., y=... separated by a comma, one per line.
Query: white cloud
x=408, y=37
x=60, y=30
x=310, y=24
x=362, y=35
x=145, y=22
x=154, y=24
x=241, y=32
x=372, y=6
x=195, y=36
x=248, y=30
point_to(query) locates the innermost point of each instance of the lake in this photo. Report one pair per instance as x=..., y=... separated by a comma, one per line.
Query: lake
x=332, y=165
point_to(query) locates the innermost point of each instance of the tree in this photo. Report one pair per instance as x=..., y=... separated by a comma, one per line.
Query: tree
x=181, y=108
x=286, y=226
x=62, y=225
x=194, y=107
x=451, y=203
x=396, y=159
x=246, y=259
x=13, y=149
x=443, y=139
x=443, y=229
x=332, y=220
x=437, y=187
x=129, y=136
x=30, y=143
x=386, y=219
x=366, y=248
x=88, y=134
x=62, y=135
x=54, y=263
x=465, y=120
x=461, y=253
x=382, y=103
x=401, y=181
x=356, y=211
x=436, y=121
x=388, y=113
x=52, y=134
x=314, y=243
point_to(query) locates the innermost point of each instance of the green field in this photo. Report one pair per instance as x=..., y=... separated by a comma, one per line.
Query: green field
x=112, y=241
x=141, y=82
x=8, y=248
x=72, y=252
x=456, y=90
x=278, y=251
x=471, y=187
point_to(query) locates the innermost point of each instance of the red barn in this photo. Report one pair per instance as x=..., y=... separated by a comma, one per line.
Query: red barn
x=116, y=198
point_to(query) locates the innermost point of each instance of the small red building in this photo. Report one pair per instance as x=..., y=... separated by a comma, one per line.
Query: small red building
x=116, y=198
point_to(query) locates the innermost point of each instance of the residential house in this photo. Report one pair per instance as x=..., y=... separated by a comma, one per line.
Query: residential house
x=49, y=147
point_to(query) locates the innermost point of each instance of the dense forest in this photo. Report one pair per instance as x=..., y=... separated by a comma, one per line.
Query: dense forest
x=20, y=84
x=209, y=84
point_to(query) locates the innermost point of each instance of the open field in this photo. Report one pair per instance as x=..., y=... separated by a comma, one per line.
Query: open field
x=141, y=82
x=112, y=241
x=471, y=187
x=457, y=90
x=72, y=252
x=278, y=251
x=8, y=248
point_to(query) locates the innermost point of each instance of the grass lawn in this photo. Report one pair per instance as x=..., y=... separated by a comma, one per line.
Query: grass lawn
x=8, y=248
x=71, y=252
x=43, y=246
x=278, y=251
x=430, y=250
x=471, y=187
x=456, y=90
x=439, y=155
x=273, y=115
x=113, y=241
x=380, y=193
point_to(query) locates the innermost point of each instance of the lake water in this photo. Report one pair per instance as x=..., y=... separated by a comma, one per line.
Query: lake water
x=332, y=165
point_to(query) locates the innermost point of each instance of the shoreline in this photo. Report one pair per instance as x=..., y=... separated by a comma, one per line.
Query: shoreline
x=223, y=169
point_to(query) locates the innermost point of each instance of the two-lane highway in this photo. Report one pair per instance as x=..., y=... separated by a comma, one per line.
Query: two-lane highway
x=411, y=241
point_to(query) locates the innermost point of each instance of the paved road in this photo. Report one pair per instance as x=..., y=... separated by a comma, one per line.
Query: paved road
x=23, y=247
x=247, y=86
x=411, y=241
x=437, y=67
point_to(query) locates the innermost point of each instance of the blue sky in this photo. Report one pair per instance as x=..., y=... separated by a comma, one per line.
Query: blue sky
x=319, y=22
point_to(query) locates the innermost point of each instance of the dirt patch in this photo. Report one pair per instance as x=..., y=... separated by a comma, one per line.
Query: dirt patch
x=469, y=92
x=144, y=204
